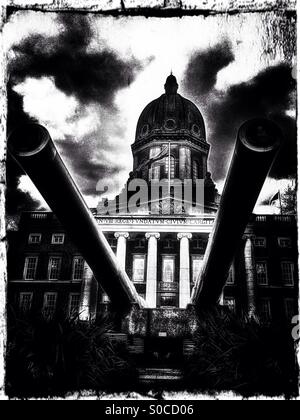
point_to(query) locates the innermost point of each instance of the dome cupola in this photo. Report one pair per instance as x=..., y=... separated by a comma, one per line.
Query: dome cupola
x=170, y=114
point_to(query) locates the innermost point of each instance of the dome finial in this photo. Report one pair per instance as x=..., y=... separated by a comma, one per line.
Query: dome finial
x=171, y=85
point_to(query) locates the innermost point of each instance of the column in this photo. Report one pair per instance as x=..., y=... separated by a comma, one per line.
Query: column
x=250, y=276
x=151, y=285
x=121, y=247
x=88, y=297
x=184, y=270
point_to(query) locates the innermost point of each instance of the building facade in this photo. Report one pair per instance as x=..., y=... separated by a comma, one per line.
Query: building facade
x=161, y=239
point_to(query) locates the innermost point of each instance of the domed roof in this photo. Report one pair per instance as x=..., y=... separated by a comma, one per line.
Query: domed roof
x=170, y=113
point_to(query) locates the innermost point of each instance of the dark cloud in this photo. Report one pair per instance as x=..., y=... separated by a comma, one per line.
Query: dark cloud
x=269, y=94
x=90, y=75
x=16, y=199
x=203, y=68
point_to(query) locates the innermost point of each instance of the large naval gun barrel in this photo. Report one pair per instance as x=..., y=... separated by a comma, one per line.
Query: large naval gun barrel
x=32, y=147
x=257, y=144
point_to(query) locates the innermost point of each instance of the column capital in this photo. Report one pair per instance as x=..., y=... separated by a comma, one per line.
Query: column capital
x=184, y=235
x=152, y=234
x=121, y=234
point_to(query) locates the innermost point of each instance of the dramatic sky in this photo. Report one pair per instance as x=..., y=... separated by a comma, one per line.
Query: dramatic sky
x=87, y=79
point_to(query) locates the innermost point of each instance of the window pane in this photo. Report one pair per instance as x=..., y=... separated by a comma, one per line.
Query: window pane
x=78, y=267
x=261, y=271
x=196, y=267
x=25, y=301
x=58, y=238
x=287, y=269
x=168, y=269
x=265, y=310
x=289, y=309
x=54, y=268
x=30, y=268
x=138, y=268
x=74, y=301
x=49, y=304
x=230, y=303
x=34, y=238
x=172, y=170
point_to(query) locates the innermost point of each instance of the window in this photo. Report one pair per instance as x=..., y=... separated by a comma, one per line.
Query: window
x=265, y=309
x=230, y=278
x=30, y=268
x=58, y=238
x=113, y=243
x=168, y=244
x=195, y=170
x=25, y=301
x=287, y=271
x=154, y=171
x=105, y=298
x=78, y=267
x=262, y=274
x=74, y=301
x=260, y=242
x=199, y=244
x=138, y=269
x=289, y=308
x=284, y=242
x=230, y=303
x=34, y=238
x=49, y=306
x=197, y=261
x=54, y=268
x=172, y=170
x=140, y=243
x=168, y=299
x=168, y=264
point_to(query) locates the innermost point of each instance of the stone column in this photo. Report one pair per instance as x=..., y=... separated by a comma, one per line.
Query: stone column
x=88, y=297
x=185, y=163
x=151, y=285
x=184, y=270
x=250, y=276
x=121, y=247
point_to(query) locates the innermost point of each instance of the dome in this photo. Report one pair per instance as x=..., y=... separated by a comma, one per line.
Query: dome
x=171, y=113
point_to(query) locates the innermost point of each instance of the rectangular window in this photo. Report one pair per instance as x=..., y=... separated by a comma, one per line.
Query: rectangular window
x=265, y=309
x=58, y=238
x=25, y=301
x=262, y=273
x=78, y=267
x=49, y=306
x=230, y=303
x=260, y=242
x=284, y=242
x=172, y=167
x=168, y=268
x=230, y=278
x=138, y=269
x=34, y=238
x=30, y=268
x=74, y=301
x=197, y=261
x=54, y=268
x=289, y=308
x=287, y=271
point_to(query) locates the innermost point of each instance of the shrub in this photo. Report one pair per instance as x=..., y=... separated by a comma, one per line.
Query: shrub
x=54, y=356
x=239, y=354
